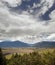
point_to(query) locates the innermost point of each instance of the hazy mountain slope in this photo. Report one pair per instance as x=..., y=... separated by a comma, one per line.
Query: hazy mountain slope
x=45, y=44
x=13, y=44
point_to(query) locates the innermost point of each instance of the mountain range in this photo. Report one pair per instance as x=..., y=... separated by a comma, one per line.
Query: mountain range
x=42, y=44
x=13, y=44
x=45, y=44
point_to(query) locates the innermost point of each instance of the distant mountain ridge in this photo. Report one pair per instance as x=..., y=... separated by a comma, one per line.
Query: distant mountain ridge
x=45, y=44
x=42, y=44
x=13, y=44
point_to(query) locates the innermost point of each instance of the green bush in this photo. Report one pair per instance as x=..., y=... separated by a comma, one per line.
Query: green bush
x=33, y=58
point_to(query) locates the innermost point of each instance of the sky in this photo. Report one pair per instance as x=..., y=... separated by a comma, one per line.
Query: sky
x=29, y=21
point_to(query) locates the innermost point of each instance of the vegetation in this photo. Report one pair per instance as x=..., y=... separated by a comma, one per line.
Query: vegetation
x=2, y=58
x=34, y=58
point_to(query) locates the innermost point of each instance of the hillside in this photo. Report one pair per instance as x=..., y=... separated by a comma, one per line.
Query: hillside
x=45, y=44
x=13, y=44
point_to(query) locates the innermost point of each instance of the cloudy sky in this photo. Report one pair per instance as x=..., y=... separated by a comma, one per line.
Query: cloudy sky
x=27, y=20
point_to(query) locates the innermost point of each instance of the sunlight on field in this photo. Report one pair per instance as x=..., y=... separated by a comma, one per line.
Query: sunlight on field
x=8, y=56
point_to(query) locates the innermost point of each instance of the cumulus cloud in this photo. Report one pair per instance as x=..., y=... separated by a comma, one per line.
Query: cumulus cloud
x=12, y=3
x=51, y=37
x=52, y=15
x=25, y=26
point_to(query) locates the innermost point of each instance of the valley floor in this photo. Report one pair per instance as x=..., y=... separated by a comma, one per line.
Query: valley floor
x=9, y=51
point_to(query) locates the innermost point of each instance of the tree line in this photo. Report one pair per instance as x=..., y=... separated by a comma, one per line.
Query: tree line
x=34, y=58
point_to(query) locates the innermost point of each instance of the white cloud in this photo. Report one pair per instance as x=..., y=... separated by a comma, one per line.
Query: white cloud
x=13, y=3
x=46, y=5
x=51, y=37
x=24, y=26
x=52, y=15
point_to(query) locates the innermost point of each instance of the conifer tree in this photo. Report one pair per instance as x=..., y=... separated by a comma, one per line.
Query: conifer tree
x=2, y=58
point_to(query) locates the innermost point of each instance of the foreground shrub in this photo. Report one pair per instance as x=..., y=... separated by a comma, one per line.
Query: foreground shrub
x=2, y=58
x=33, y=58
